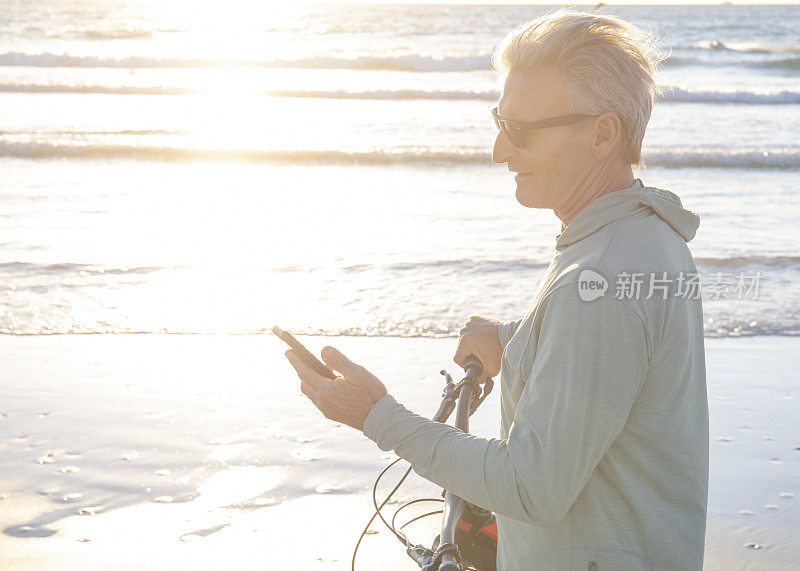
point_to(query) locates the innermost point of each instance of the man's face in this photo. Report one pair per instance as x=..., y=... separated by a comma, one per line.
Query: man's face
x=556, y=159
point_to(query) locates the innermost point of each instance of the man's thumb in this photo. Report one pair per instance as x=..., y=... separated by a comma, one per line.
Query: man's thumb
x=337, y=361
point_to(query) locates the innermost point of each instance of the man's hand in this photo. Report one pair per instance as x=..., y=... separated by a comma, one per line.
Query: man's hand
x=479, y=337
x=347, y=399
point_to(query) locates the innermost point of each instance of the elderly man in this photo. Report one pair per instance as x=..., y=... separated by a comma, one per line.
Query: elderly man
x=602, y=460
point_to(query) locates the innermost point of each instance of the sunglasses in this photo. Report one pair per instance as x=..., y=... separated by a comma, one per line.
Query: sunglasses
x=516, y=131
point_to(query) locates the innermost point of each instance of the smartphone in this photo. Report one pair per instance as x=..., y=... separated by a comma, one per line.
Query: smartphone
x=304, y=353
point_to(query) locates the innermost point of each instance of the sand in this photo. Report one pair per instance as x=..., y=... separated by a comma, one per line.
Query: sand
x=190, y=451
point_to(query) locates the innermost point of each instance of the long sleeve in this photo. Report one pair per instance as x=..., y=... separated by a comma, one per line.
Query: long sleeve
x=506, y=331
x=591, y=359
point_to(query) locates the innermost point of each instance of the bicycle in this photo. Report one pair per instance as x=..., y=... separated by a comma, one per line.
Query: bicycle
x=468, y=538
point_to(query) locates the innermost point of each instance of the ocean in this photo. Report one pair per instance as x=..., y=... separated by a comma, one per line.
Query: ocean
x=176, y=167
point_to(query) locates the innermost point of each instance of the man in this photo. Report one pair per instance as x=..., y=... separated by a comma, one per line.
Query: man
x=602, y=461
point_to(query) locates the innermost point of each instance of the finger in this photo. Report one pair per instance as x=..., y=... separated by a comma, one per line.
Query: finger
x=304, y=371
x=461, y=355
x=337, y=361
x=477, y=355
x=306, y=389
x=461, y=359
x=318, y=398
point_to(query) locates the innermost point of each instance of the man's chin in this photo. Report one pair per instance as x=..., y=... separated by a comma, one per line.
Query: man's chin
x=529, y=198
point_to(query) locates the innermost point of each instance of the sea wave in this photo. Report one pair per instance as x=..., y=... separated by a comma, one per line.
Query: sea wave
x=772, y=159
x=407, y=329
x=680, y=95
x=752, y=159
x=446, y=266
x=462, y=266
x=119, y=34
x=33, y=269
x=472, y=266
x=736, y=262
x=672, y=94
x=485, y=266
x=382, y=94
x=390, y=94
x=70, y=297
x=786, y=63
x=102, y=89
x=718, y=45
x=404, y=62
x=764, y=61
x=300, y=156
x=409, y=62
x=720, y=327
x=469, y=265
x=89, y=132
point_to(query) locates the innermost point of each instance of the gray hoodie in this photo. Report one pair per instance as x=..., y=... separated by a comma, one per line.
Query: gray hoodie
x=602, y=460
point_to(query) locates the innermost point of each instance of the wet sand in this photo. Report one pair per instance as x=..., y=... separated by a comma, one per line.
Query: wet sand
x=166, y=451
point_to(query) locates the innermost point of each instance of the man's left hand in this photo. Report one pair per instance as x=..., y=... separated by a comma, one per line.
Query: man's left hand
x=347, y=399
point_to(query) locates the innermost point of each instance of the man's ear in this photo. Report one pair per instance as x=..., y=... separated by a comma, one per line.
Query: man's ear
x=608, y=135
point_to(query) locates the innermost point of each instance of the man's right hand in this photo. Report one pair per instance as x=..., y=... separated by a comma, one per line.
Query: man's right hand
x=479, y=337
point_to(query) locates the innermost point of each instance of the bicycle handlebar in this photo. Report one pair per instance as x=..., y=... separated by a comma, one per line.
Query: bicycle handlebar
x=472, y=369
x=465, y=397
x=454, y=506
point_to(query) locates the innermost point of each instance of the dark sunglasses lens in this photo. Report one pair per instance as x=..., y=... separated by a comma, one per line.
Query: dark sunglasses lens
x=514, y=135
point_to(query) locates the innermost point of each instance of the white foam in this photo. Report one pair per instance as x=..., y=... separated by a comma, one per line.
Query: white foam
x=409, y=62
x=681, y=95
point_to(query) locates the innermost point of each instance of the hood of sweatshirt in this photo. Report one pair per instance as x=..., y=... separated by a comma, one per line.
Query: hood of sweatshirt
x=625, y=203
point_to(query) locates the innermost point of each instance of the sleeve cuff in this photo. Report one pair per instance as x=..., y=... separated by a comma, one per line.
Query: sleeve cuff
x=505, y=331
x=380, y=412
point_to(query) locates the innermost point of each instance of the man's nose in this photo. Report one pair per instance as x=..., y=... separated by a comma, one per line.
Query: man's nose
x=503, y=150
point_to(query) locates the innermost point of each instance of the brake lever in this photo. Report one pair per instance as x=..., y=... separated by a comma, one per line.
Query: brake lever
x=488, y=385
x=450, y=396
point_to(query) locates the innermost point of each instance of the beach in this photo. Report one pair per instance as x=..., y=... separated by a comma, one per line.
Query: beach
x=178, y=451
x=178, y=179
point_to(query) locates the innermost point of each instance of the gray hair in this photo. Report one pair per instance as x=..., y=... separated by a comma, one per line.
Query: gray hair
x=610, y=66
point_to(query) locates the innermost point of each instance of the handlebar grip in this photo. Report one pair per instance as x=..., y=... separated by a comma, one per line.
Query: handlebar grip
x=473, y=367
